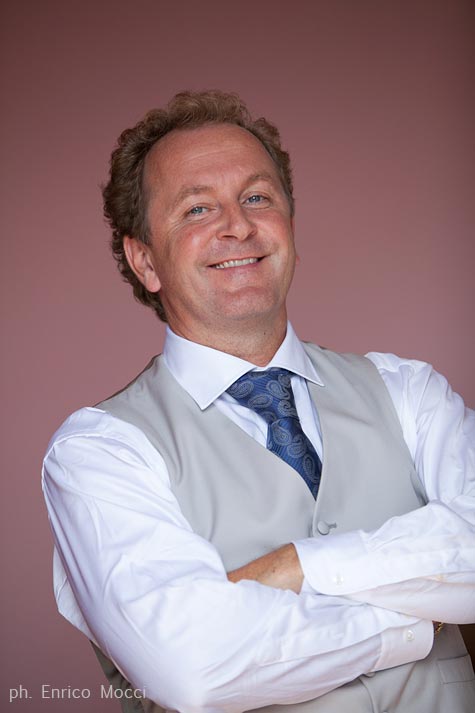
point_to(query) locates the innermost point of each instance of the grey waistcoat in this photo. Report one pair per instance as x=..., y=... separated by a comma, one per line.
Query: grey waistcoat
x=247, y=502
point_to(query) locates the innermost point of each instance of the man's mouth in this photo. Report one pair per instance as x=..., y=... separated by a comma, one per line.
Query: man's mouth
x=236, y=263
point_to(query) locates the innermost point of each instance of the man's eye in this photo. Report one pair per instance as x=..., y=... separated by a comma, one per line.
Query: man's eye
x=197, y=210
x=257, y=198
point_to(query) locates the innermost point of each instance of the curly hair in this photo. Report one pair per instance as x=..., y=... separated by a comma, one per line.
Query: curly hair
x=125, y=200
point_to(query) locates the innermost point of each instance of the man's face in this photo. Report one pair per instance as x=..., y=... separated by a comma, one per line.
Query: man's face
x=221, y=236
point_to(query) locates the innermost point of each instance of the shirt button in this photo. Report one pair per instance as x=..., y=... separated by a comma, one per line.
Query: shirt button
x=338, y=579
x=410, y=635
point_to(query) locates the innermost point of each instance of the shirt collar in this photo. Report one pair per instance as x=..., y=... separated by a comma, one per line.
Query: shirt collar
x=206, y=373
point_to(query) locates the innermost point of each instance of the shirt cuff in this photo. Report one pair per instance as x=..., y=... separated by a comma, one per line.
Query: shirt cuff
x=307, y=588
x=404, y=644
x=341, y=564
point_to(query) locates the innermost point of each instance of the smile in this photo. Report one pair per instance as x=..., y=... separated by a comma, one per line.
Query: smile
x=236, y=263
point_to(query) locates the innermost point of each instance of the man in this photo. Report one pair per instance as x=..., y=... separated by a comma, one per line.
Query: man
x=255, y=522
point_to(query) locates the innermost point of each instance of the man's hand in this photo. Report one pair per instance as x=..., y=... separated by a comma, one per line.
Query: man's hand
x=280, y=569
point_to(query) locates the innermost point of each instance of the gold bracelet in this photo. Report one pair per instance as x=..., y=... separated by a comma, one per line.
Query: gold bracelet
x=438, y=626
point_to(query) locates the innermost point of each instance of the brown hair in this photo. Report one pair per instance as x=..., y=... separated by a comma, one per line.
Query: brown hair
x=125, y=206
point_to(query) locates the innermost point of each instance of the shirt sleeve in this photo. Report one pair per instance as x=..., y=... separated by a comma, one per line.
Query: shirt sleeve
x=421, y=563
x=155, y=596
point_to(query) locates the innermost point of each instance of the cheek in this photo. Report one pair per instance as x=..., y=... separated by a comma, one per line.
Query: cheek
x=189, y=240
x=179, y=257
x=192, y=243
x=279, y=225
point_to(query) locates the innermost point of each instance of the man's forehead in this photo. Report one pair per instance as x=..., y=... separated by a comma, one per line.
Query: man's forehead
x=192, y=137
x=205, y=146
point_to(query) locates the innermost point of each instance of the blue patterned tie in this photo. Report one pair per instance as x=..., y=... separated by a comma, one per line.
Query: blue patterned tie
x=269, y=393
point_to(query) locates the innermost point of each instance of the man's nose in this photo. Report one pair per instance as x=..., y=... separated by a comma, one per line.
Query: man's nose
x=235, y=223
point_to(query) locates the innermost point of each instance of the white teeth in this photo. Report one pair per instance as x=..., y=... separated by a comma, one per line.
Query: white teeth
x=236, y=263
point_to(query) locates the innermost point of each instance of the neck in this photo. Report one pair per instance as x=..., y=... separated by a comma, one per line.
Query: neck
x=256, y=343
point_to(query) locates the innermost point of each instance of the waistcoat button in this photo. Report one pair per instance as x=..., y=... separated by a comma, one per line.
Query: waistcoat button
x=325, y=527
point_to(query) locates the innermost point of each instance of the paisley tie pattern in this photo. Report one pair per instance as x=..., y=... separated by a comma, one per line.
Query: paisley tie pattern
x=269, y=393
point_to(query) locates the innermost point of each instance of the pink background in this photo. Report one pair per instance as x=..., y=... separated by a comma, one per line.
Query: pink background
x=374, y=101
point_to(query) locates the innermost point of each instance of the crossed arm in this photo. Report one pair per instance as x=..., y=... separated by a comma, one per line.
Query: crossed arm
x=280, y=569
x=155, y=597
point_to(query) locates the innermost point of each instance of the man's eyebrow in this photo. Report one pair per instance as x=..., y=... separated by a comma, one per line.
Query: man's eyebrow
x=261, y=176
x=197, y=189
x=190, y=191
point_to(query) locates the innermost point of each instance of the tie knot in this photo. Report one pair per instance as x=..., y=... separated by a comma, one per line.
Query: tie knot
x=268, y=393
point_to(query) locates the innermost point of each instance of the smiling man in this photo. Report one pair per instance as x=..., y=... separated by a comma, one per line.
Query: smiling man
x=255, y=522
x=221, y=251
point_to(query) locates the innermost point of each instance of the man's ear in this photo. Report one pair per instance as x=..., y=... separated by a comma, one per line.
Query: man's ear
x=141, y=262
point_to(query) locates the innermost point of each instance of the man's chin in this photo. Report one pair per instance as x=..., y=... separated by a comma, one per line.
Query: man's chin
x=249, y=308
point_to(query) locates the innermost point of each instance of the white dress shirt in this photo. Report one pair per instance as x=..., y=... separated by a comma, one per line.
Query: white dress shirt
x=130, y=573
